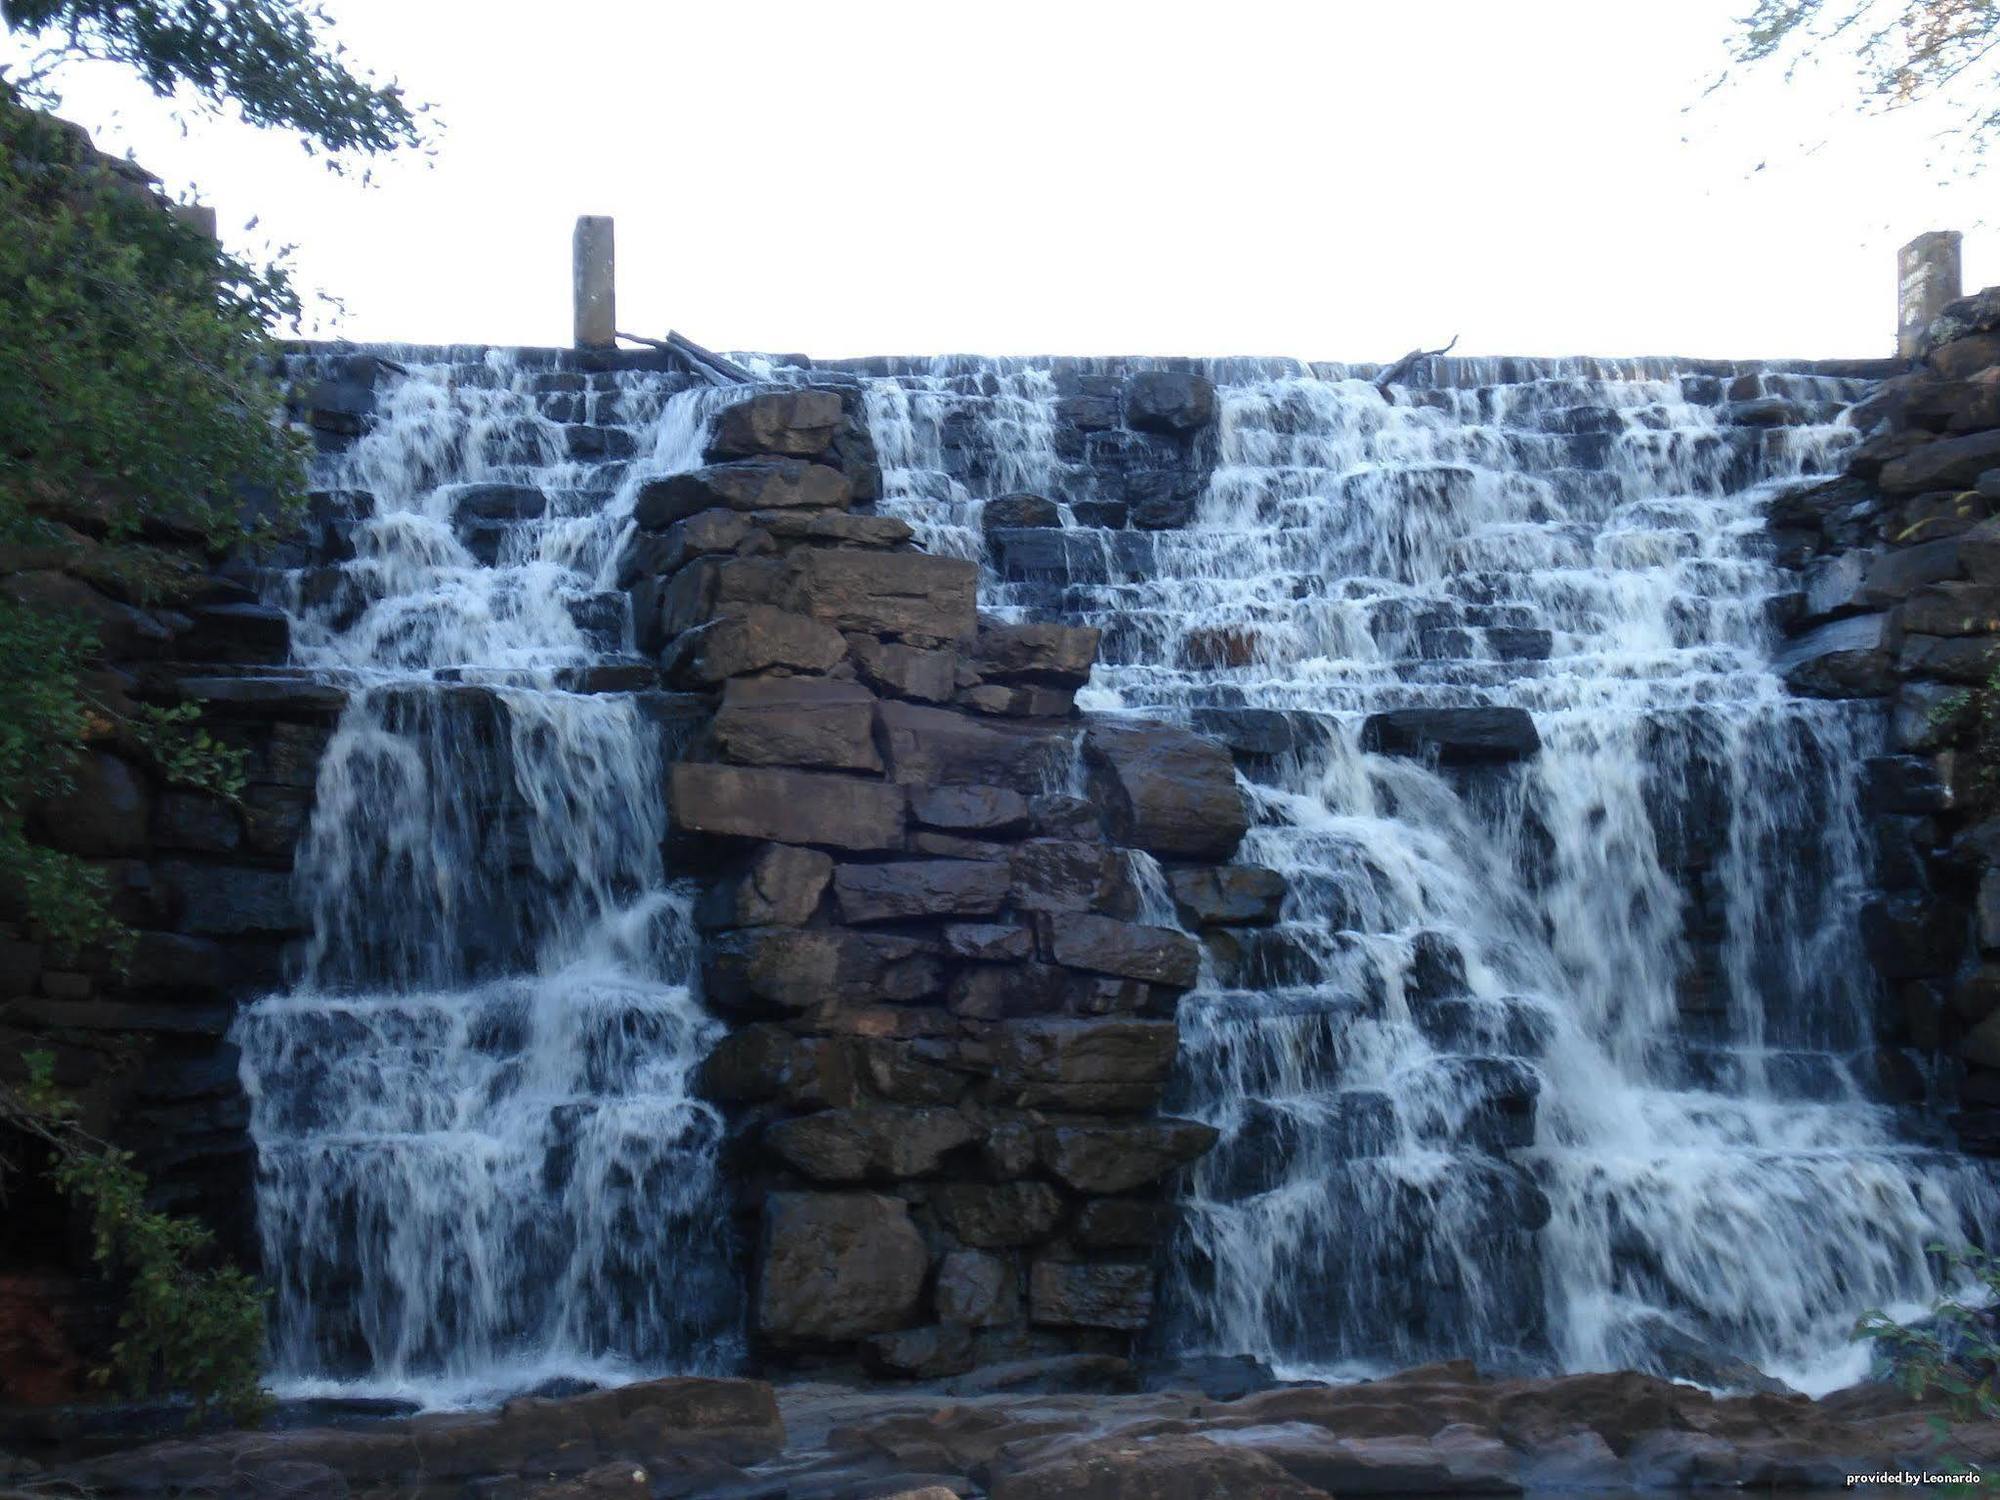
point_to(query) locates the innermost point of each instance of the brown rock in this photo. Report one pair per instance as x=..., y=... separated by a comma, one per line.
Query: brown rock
x=798, y=423
x=757, y=484
x=798, y=721
x=1118, y=1158
x=989, y=942
x=924, y=1354
x=1111, y=1065
x=882, y=1140
x=998, y=1216
x=1024, y=700
x=1953, y=463
x=836, y=1266
x=1234, y=895
x=930, y=676
x=1057, y=655
x=940, y=747
x=997, y=991
x=798, y=968
x=1967, y=659
x=706, y=533
x=780, y=888
x=786, y=807
x=1157, y=955
x=910, y=888
x=1121, y=1223
x=970, y=809
x=1090, y=1294
x=1952, y=608
x=758, y=638
x=762, y=1061
x=834, y=528
x=912, y=1072
x=1161, y=1467
x=1167, y=790
x=1963, y=358
x=977, y=1289
x=1064, y=875
x=890, y=593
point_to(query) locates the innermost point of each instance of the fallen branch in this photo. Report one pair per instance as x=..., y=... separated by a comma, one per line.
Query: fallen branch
x=1408, y=362
x=708, y=365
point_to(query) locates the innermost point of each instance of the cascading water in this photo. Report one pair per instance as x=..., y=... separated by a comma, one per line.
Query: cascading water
x=1563, y=1064
x=481, y=1164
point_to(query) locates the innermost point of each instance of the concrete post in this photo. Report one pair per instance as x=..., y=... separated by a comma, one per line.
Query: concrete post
x=197, y=216
x=594, y=266
x=1927, y=277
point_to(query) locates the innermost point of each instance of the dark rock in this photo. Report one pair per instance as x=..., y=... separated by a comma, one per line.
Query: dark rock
x=106, y=811
x=904, y=1072
x=923, y=1354
x=913, y=888
x=993, y=992
x=764, y=1061
x=793, y=423
x=1235, y=895
x=889, y=593
x=1019, y=701
x=194, y=820
x=751, y=485
x=786, y=807
x=1157, y=1467
x=1119, y=1158
x=1762, y=411
x=1112, y=1065
x=1952, y=609
x=1157, y=955
x=1964, y=317
x=1968, y=659
x=977, y=1289
x=930, y=676
x=1902, y=570
x=1094, y=1294
x=1121, y=1223
x=1845, y=659
x=248, y=634
x=1068, y=875
x=877, y=1140
x=1059, y=655
x=798, y=721
x=1058, y=815
x=587, y=441
x=1962, y=358
x=1019, y=510
x=1168, y=401
x=497, y=502
x=781, y=887
x=758, y=638
x=263, y=698
x=1953, y=463
x=970, y=809
x=939, y=747
x=175, y=961
x=794, y=968
x=1455, y=736
x=1904, y=784
x=228, y=900
x=1167, y=790
x=1911, y=937
x=1253, y=733
x=998, y=1216
x=989, y=942
x=655, y=554
x=836, y=1266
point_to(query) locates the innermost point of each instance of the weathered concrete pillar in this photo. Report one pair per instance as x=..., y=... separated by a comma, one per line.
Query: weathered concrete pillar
x=594, y=266
x=1927, y=277
x=197, y=216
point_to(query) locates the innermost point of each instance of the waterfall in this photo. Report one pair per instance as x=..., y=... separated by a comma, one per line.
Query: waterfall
x=1567, y=1064
x=481, y=1161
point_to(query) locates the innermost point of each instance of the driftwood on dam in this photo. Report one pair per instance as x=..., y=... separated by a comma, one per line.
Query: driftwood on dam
x=1402, y=367
x=710, y=366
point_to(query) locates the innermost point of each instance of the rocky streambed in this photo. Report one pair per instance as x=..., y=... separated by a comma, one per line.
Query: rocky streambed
x=1077, y=1428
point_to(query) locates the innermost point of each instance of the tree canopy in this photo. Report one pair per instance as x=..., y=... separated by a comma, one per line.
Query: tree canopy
x=1907, y=51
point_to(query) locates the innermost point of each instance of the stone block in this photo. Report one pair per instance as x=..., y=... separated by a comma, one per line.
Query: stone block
x=1021, y=510
x=1166, y=790
x=1455, y=736
x=1051, y=654
x=1090, y=1294
x=1952, y=463
x=781, y=887
x=787, y=423
x=1156, y=955
x=786, y=807
x=876, y=1140
x=1000, y=991
x=989, y=942
x=1169, y=401
x=991, y=810
x=1121, y=1223
x=977, y=1290
x=1119, y=1158
x=798, y=721
x=796, y=969
x=998, y=1216
x=900, y=671
x=1845, y=659
x=1232, y=895
x=834, y=1266
x=1072, y=875
x=884, y=593
x=105, y=813
x=759, y=638
x=903, y=890
x=1952, y=608
x=763, y=1061
x=754, y=484
x=939, y=747
x=1969, y=659
x=1112, y=1065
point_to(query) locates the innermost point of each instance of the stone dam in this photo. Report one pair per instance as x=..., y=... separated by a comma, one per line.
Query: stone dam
x=1088, y=919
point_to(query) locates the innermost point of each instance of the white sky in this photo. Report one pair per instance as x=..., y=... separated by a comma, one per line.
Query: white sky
x=1330, y=180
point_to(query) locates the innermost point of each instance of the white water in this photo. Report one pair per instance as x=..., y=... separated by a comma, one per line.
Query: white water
x=1720, y=1176
x=480, y=1161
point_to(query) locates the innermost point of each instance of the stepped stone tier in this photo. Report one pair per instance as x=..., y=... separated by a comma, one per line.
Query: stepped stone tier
x=952, y=1020
x=1898, y=599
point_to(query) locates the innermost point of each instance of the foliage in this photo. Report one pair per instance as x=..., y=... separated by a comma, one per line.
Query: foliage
x=186, y=1325
x=186, y=754
x=271, y=59
x=1907, y=51
x=1970, y=719
x=1954, y=1352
